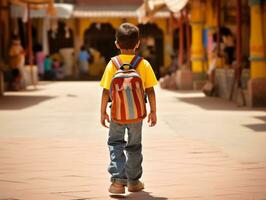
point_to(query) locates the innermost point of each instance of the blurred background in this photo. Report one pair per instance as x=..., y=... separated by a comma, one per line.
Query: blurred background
x=209, y=57
x=217, y=46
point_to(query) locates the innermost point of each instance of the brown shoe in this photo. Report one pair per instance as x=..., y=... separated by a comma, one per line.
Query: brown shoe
x=117, y=188
x=135, y=187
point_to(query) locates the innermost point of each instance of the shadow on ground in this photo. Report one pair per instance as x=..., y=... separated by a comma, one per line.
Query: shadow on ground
x=257, y=127
x=260, y=127
x=18, y=102
x=213, y=103
x=139, y=196
x=262, y=118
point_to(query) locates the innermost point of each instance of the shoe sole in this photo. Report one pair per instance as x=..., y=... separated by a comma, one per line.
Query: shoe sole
x=118, y=191
x=135, y=189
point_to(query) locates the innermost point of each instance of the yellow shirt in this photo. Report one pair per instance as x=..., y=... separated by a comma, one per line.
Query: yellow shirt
x=144, y=69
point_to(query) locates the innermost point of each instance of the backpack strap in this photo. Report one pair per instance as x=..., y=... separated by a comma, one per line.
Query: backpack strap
x=135, y=61
x=117, y=62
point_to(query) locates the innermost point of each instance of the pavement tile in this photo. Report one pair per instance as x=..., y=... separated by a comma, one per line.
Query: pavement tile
x=57, y=150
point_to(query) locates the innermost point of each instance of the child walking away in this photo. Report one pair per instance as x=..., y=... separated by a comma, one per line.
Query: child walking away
x=125, y=80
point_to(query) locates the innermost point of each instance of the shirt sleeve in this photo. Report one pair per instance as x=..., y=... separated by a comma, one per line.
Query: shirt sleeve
x=107, y=76
x=150, y=78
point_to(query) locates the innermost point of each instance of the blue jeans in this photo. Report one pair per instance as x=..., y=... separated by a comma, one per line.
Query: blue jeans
x=125, y=168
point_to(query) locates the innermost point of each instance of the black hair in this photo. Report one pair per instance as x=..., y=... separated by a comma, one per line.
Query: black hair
x=127, y=36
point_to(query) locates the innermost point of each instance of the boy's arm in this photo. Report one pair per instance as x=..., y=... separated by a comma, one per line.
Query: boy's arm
x=152, y=118
x=104, y=102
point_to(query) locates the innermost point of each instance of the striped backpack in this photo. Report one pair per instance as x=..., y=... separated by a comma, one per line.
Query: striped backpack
x=127, y=93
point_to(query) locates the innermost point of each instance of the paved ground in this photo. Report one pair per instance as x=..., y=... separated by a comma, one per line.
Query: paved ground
x=52, y=147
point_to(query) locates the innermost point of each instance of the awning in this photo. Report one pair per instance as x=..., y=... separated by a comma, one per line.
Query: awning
x=111, y=11
x=61, y=10
x=176, y=5
x=32, y=2
x=150, y=8
x=48, y=5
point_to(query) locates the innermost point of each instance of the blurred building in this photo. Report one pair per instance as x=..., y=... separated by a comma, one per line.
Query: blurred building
x=235, y=32
x=240, y=39
x=98, y=20
x=93, y=24
x=191, y=34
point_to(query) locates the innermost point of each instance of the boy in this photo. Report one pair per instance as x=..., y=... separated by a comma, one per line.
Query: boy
x=127, y=171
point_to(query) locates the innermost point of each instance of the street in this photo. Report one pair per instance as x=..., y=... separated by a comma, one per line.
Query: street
x=52, y=146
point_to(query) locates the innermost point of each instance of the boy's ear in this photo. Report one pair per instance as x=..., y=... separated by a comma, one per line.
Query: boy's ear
x=117, y=45
x=137, y=45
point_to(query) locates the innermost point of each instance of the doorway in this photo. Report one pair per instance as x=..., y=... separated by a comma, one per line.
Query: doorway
x=101, y=37
x=152, y=47
x=61, y=38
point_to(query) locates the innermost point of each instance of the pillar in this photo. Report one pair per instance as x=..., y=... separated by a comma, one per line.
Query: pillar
x=264, y=30
x=2, y=84
x=77, y=45
x=257, y=40
x=197, y=23
x=168, y=43
x=181, y=40
x=188, y=37
x=4, y=29
x=256, y=85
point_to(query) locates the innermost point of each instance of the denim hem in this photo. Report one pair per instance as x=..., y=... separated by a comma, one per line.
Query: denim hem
x=133, y=182
x=119, y=180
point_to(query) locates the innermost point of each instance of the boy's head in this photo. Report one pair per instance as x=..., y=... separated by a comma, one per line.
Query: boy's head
x=127, y=36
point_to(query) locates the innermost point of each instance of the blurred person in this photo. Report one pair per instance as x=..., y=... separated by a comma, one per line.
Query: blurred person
x=56, y=63
x=83, y=61
x=16, y=61
x=127, y=172
x=229, y=48
x=209, y=87
x=49, y=72
x=151, y=58
x=169, y=80
x=97, y=63
x=57, y=67
x=213, y=61
x=173, y=67
x=40, y=57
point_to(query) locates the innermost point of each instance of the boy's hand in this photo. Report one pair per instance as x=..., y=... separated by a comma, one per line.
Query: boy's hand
x=152, y=119
x=105, y=116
